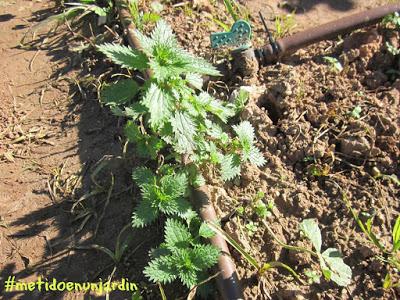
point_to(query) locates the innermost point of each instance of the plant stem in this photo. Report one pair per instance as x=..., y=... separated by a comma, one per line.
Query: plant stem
x=295, y=248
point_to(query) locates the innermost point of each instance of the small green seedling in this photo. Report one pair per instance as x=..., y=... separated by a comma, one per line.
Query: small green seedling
x=251, y=228
x=356, y=112
x=140, y=18
x=334, y=64
x=284, y=25
x=331, y=261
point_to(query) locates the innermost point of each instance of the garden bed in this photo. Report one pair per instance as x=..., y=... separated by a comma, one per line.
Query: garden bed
x=327, y=122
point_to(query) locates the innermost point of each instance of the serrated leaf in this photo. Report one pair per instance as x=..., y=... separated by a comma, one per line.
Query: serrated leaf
x=184, y=129
x=143, y=175
x=195, y=80
x=205, y=256
x=189, y=278
x=177, y=206
x=193, y=64
x=245, y=133
x=144, y=214
x=311, y=230
x=161, y=270
x=158, y=104
x=205, y=231
x=223, y=112
x=230, y=166
x=340, y=272
x=124, y=56
x=177, y=235
x=175, y=185
x=255, y=157
x=163, y=35
x=119, y=92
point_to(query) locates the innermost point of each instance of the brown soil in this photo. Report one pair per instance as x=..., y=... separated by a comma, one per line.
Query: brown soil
x=53, y=135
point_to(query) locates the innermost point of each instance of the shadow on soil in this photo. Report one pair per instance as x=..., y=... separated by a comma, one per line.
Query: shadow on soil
x=103, y=208
x=303, y=6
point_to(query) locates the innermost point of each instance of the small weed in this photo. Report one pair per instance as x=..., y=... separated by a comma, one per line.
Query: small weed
x=284, y=25
x=390, y=256
x=330, y=261
x=392, y=20
x=140, y=18
x=334, y=64
x=356, y=112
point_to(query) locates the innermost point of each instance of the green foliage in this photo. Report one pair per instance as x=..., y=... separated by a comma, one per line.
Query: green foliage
x=284, y=25
x=124, y=56
x=172, y=121
x=181, y=256
x=246, y=136
x=119, y=93
x=331, y=261
x=143, y=18
x=392, y=20
x=356, y=112
x=164, y=194
x=334, y=64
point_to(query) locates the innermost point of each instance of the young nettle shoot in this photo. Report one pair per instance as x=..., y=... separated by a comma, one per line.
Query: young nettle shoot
x=160, y=194
x=181, y=256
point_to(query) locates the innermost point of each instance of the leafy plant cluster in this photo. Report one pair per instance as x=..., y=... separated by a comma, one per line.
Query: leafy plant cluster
x=172, y=121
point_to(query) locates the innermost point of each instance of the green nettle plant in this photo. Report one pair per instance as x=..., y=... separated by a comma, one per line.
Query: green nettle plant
x=172, y=121
x=182, y=256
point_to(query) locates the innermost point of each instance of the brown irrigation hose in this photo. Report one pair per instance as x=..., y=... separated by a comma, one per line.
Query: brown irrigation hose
x=228, y=283
x=326, y=31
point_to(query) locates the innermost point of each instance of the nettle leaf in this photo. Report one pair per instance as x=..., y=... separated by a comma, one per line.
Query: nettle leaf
x=230, y=166
x=311, y=230
x=205, y=231
x=124, y=56
x=143, y=175
x=205, y=256
x=184, y=129
x=144, y=214
x=162, y=34
x=175, y=185
x=195, y=80
x=256, y=157
x=245, y=133
x=161, y=269
x=193, y=64
x=159, y=105
x=135, y=110
x=340, y=273
x=147, y=146
x=223, y=112
x=119, y=92
x=177, y=235
x=189, y=278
